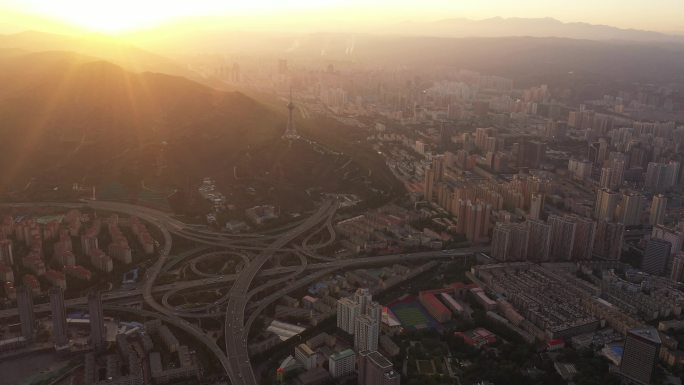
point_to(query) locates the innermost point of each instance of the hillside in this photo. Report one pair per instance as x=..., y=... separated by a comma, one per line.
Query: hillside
x=105, y=48
x=65, y=118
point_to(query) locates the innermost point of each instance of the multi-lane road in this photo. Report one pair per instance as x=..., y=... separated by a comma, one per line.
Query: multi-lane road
x=255, y=251
x=240, y=369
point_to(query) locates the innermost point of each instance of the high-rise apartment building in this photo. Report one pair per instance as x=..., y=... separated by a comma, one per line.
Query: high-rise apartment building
x=434, y=175
x=6, y=254
x=674, y=235
x=606, y=177
x=606, y=204
x=363, y=298
x=375, y=369
x=655, y=256
x=661, y=176
x=429, y=186
x=631, y=207
x=477, y=221
x=501, y=238
x=97, y=328
x=562, y=237
x=580, y=169
x=539, y=242
x=366, y=333
x=598, y=151
x=536, y=206
x=360, y=316
x=531, y=153
x=509, y=242
x=342, y=363
x=59, y=323
x=25, y=307
x=658, y=207
x=608, y=240
x=347, y=311
x=374, y=311
x=617, y=167
x=585, y=233
x=677, y=273
x=640, y=355
x=461, y=210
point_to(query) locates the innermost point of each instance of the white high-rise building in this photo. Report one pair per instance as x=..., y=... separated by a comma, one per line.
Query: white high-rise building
x=347, y=311
x=366, y=334
x=361, y=317
x=374, y=310
x=363, y=298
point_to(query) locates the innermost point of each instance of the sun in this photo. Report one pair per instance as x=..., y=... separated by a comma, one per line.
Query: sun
x=120, y=16
x=108, y=16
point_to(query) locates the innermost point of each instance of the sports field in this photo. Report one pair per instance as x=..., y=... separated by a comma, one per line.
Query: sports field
x=410, y=315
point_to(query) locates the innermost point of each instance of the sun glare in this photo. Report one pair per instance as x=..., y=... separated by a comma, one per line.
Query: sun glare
x=126, y=15
x=104, y=16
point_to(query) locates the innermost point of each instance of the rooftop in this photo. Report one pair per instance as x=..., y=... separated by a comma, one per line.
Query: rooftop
x=379, y=360
x=342, y=354
x=649, y=334
x=307, y=350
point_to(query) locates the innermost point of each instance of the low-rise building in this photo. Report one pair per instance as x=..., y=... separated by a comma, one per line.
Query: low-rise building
x=306, y=356
x=342, y=363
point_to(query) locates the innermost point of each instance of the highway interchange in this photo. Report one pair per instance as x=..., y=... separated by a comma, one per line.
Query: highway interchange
x=237, y=307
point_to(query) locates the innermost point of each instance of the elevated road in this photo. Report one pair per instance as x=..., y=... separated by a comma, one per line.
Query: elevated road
x=255, y=250
x=119, y=295
x=240, y=369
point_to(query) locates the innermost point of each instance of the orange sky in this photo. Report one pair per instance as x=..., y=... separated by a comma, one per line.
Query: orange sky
x=122, y=16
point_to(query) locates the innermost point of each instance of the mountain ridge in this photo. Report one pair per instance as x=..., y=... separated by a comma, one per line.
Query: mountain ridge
x=65, y=116
x=533, y=27
x=94, y=45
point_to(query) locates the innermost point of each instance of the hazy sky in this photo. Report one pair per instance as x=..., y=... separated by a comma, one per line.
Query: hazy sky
x=127, y=15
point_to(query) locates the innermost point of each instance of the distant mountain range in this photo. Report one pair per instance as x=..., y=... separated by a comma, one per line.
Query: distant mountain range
x=533, y=27
x=534, y=59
